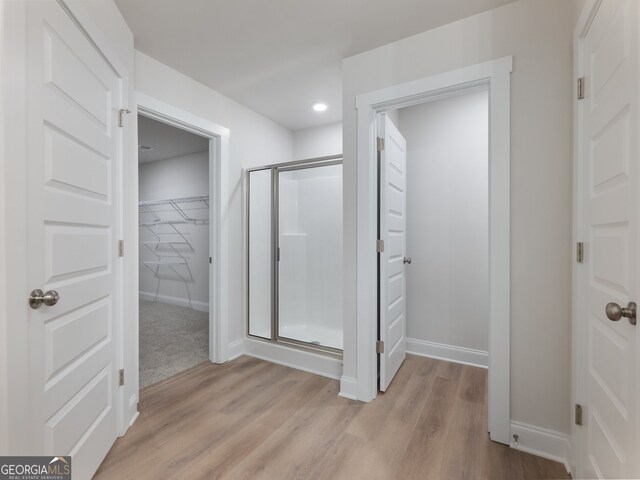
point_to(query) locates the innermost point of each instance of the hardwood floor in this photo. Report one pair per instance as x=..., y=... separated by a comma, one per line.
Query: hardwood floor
x=250, y=419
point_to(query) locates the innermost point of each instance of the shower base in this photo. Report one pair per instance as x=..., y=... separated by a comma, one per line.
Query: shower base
x=323, y=336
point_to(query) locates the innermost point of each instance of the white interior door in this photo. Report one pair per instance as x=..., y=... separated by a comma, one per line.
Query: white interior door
x=607, y=383
x=392, y=231
x=73, y=165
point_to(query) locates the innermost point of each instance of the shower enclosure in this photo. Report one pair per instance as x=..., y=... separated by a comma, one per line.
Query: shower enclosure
x=295, y=253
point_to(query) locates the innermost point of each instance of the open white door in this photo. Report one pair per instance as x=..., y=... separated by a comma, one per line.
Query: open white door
x=74, y=223
x=608, y=132
x=392, y=232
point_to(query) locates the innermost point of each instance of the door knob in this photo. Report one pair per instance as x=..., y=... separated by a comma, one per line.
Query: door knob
x=37, y=298
x=407, y=260
x=615, y=312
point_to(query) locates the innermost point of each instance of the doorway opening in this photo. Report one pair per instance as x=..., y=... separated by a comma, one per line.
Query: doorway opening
x=173, y=218
x=495, y=76
x=433, y=224
x=217, y=262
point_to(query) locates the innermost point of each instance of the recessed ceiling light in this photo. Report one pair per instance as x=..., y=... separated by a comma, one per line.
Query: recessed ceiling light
x=320, y=107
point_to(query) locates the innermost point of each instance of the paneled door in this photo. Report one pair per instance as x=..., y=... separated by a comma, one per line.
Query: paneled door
x=392, y=233
x=73, y=207
x=608, y=132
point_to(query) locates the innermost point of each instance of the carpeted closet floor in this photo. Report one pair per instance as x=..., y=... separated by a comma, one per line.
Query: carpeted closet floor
x=172, y=339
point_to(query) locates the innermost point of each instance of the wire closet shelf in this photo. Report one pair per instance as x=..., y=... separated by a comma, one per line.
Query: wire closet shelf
x=170, y=244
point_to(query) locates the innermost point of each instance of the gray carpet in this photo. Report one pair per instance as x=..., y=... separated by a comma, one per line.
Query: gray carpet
x=172, y=339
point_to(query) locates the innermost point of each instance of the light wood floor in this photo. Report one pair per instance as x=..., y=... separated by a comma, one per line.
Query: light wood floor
x=251, y=419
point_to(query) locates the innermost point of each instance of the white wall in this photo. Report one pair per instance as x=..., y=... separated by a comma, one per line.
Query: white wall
x=185, y=176
x=254, y=141
x=314, y=142
x=538, y=33
x=448, y=220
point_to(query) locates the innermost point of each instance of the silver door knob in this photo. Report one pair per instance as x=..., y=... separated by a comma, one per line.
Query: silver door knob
x=615, y=312
x=37, y=298
x=406, y=260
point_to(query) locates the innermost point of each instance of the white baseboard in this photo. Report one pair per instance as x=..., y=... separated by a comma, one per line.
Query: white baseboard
x=133, y=420
x=180, y=302
x=348, y=387
x=541, y=442
x=236, y=349
x=132, y=413
x=467, y=356
x=318, y=364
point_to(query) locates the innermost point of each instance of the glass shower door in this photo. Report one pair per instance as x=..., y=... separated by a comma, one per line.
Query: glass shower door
x=309, y=259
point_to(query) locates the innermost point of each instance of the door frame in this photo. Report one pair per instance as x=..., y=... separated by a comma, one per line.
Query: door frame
x=497, y=75
x=218, y=227
x=275, y=168
x=16, y=439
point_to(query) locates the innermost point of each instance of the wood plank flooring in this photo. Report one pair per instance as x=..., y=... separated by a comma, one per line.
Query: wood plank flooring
x=250, y=419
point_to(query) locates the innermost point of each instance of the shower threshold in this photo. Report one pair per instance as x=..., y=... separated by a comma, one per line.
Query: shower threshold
x=319, y=336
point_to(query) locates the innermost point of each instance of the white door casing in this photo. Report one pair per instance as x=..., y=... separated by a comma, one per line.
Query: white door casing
x=218, y=215
x=607, y=357
x=392, y=231
x=360, y=360
x=74, y=210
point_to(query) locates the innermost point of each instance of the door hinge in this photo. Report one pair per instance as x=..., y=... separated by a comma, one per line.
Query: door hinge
x=379, y=246
x=121, y=376
x=121, y=114
x=580, y=252
x=121, y=248
x=379, y=346
x=380, y=144
x=210, y=260
x=581, y=88
x=578, y=414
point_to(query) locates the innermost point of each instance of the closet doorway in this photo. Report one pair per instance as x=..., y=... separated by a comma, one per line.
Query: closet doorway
x=174, y=254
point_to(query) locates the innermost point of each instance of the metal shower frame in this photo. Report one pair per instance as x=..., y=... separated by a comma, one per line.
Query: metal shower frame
x=275, y=228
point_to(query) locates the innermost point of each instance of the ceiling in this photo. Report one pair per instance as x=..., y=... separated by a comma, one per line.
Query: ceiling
x=166, y=141
x=279, y=57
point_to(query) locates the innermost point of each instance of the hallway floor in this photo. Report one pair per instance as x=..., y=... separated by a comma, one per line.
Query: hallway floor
x=251, y=419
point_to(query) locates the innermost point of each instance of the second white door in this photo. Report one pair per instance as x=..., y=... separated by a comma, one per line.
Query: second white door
x=392, y=233
x=608, y=354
